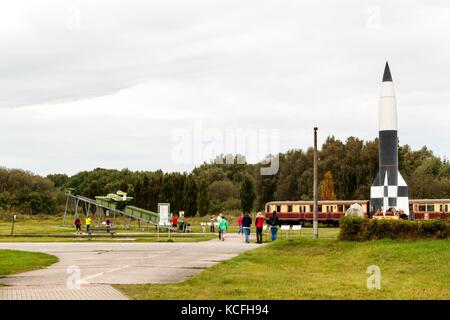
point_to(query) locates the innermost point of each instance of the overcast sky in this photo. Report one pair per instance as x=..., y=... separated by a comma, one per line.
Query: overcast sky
x=118, y=84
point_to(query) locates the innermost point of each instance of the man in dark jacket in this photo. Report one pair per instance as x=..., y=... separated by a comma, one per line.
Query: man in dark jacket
x=273, y=223
x=246, y=225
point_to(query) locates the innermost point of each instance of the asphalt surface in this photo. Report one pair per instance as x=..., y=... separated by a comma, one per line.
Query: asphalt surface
x=94, y=266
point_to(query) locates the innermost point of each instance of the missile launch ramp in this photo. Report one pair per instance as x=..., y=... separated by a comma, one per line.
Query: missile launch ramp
x=107, y=206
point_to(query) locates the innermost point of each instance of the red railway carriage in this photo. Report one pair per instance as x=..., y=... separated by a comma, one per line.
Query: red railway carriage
x=301, y=211
x=333, y=211
x=427, y=209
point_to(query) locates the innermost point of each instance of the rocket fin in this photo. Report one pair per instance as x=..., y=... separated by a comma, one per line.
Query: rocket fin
x=402, y=195
x=401, y=181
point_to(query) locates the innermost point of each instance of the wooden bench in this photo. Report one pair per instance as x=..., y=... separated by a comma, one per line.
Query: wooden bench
x=99, y=230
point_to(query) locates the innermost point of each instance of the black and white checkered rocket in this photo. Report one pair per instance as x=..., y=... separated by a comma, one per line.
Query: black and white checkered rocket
x=389, y=190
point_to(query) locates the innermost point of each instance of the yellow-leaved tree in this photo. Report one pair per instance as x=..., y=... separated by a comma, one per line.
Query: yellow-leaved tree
x=327, y=187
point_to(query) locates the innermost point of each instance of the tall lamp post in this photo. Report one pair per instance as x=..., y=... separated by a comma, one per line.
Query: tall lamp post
x=316, y=215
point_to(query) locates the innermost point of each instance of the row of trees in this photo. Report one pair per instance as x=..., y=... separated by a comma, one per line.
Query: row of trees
x=24, y=192
x=193, y=193
x=346, y=171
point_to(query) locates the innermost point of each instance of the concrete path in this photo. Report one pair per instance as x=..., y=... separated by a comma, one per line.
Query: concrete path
x=97, y=265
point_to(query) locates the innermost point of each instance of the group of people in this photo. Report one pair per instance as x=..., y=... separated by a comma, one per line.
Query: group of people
x=245, y=224
x=88, y=223
x=222, y=225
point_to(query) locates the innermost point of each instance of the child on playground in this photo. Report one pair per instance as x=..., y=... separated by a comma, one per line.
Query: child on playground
x=78, y=225
x=223, y=226
x=88, y=224
x=108, y=224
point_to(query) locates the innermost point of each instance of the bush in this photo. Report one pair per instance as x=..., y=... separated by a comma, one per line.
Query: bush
x=351, y=227
x=358, y=229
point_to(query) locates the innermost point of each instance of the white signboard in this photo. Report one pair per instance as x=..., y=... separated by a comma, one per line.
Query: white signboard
x=163, y=210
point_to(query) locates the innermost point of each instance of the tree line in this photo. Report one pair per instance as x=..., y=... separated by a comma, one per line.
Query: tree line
x=346, y=171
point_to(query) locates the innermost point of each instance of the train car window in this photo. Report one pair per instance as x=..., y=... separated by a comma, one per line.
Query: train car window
x=319, y=208
x=278, y=208
x=340, y=208
x=430, y=208
x=289, y=208
x=422, y=207
x=268, y=209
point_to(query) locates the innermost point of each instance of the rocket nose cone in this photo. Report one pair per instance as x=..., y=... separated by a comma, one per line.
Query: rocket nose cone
x=387, y=73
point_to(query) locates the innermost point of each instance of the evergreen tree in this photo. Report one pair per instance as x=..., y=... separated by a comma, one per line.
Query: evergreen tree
x=190, y=196
x=154, y=191
x=203, y=198
x=138, y=199
x=247, y=194
x=166, y=192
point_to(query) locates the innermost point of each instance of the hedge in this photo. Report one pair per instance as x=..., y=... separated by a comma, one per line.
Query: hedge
x=359, y=229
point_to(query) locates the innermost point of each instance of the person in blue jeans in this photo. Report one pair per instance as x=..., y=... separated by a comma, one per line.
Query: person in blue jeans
x=273, y=223
x=246, y=225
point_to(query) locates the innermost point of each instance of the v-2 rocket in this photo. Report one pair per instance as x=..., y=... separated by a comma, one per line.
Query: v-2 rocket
x=389, y=190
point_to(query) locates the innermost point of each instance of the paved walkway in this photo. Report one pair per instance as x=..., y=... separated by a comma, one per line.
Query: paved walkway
x=85, y=270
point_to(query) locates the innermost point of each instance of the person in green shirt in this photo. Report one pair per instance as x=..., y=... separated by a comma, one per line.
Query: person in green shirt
x=223, y=226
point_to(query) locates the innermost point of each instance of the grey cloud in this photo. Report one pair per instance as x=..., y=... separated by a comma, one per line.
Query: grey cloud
x=287, y=65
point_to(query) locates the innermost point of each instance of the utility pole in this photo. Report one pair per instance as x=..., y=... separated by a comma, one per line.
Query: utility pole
x=13, y=222
x=316, y=215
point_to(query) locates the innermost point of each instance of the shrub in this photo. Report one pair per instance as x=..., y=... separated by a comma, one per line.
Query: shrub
x=357, y=229
x=351, y=228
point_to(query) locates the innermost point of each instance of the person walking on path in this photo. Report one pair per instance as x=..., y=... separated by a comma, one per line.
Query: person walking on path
x=219, y=217
x=223, y=226
x=246, y=225
x=273, y=223
x=240, y=231
x=88, y=224
x=259, y=223
x=78, y=225
x=212, y=221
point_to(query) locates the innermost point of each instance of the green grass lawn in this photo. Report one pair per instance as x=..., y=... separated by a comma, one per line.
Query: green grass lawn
x=12, y=261
x=49, y=229
x=102, y=238
x=323, y=269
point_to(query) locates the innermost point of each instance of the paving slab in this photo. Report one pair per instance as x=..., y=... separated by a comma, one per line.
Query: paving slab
x=92, y=266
